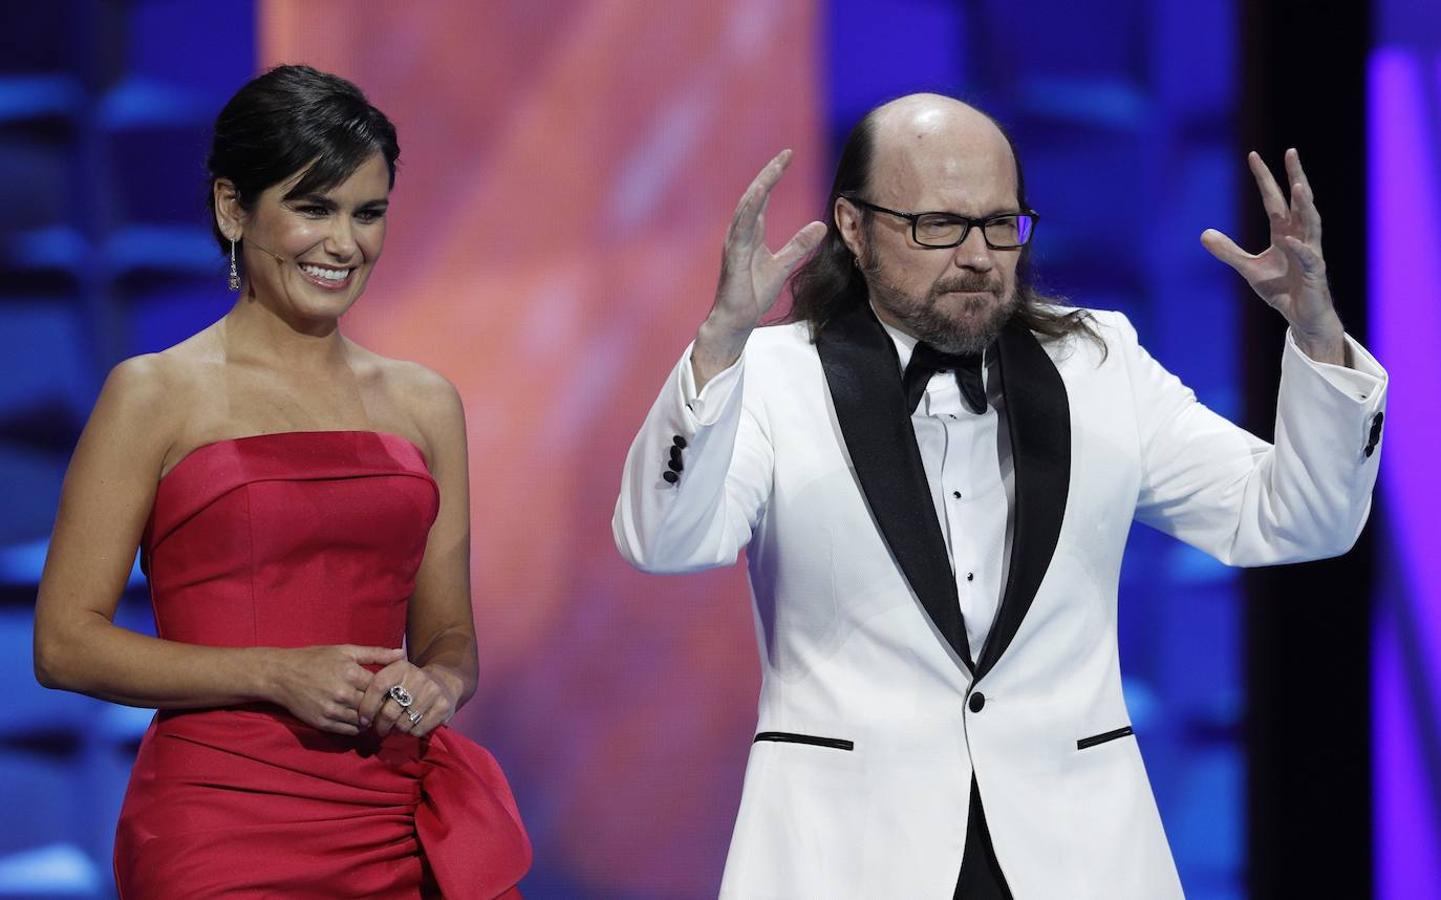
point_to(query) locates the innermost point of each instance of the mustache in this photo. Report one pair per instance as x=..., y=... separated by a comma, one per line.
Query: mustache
x=967, y=283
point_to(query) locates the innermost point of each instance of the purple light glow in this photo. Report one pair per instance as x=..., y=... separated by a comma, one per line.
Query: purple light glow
x=1405, y=329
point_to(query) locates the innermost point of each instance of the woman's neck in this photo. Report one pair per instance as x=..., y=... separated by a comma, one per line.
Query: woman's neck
x=253, y=330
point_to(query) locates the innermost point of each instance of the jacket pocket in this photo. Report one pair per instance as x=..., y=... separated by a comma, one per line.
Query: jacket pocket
x=1103, y=737
x=788, y=737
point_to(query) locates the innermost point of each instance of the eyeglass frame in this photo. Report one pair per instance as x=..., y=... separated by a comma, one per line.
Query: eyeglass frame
x=915, y=218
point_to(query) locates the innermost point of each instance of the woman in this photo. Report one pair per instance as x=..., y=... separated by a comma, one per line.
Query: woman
x=301, y=505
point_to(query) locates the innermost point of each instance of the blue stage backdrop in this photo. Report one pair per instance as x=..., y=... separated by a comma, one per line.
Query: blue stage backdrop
x=1404, y=226
x=1123, y=110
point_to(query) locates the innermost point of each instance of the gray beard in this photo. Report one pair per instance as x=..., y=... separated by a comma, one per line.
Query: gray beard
x=922, y=316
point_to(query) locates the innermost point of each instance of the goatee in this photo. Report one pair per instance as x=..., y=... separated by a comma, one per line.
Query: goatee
x=924, y=318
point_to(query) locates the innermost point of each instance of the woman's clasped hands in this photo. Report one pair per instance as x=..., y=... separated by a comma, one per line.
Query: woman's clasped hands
x=331, y=687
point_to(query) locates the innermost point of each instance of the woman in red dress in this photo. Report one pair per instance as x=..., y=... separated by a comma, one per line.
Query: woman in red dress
x=301, y=507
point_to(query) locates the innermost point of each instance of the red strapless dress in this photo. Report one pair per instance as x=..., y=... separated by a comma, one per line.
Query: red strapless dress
x=289, y=540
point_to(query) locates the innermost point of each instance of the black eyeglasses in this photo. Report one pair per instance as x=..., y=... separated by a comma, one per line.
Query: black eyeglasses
x=938, y=230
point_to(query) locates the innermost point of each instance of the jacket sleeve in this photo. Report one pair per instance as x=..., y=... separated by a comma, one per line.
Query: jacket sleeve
x=702, y=516
x=1246, y=502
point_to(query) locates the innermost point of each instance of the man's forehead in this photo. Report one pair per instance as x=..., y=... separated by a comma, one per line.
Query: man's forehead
x=937, y=148
x=952, y=176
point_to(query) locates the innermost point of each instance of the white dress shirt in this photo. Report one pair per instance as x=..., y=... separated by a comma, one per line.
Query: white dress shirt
x=967, y=458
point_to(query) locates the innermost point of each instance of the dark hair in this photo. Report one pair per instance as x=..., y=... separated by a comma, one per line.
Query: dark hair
x=830, y=280
x=295, y=118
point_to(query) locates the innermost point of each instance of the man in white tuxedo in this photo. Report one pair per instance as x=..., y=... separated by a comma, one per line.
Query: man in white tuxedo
x=934, y=470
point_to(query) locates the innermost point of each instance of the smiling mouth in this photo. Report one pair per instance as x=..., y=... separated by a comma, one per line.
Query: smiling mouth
x=329, y=278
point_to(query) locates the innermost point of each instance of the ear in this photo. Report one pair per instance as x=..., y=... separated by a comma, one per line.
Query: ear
x=230, y=216
x=848, y=223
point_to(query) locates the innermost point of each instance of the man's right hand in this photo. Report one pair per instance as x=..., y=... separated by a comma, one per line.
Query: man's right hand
x=751, y=276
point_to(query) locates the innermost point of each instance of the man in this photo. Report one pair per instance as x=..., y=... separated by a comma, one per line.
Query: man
x=935, y=472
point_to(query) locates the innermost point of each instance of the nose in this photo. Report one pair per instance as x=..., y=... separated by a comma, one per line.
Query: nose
x=972, y=253
x=340, y=243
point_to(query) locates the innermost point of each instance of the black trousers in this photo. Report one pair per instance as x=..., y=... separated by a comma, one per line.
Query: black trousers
x=981, y=877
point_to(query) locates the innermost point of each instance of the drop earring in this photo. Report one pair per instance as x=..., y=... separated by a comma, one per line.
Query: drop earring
x=234, y=272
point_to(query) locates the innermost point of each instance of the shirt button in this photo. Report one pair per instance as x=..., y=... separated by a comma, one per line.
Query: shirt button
x=956, y=494
x=978, y=702
x=970, y=576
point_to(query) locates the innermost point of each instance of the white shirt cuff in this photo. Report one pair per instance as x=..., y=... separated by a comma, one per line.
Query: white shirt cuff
x=706, y=405
x=1360, y=381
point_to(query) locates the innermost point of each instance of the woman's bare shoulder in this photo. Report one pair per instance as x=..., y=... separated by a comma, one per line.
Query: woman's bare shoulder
x=146, y=399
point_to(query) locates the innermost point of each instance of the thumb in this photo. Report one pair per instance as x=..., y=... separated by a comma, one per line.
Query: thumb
x=1224, y=249
x=376, y=655
x=800, y=246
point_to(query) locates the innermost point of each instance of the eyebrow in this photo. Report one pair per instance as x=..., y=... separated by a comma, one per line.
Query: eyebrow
x=322, y=200
x=1011, y=211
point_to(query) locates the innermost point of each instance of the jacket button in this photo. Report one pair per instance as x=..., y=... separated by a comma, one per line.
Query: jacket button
x=675, y=453
x=678, y=441
x=670, y=476
x=978, y=702
x=675, y=465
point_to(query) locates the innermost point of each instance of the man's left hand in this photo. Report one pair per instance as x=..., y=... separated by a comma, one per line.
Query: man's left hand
x=1290, y=274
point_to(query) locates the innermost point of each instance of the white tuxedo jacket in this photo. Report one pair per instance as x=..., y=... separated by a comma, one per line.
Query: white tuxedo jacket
x=873, y=716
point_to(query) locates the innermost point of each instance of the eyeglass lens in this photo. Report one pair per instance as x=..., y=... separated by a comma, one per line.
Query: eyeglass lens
x=935, y=230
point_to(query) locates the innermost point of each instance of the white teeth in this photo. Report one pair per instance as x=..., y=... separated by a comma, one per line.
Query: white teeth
x=327, y=274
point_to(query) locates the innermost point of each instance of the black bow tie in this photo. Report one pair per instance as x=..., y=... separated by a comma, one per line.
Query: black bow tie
x=927, y=361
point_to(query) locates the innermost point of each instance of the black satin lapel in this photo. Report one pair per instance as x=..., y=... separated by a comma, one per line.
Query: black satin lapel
x=1038, y=413
x=865, y=384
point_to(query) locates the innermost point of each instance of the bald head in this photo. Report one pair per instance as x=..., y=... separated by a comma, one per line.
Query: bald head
x=918, y=117
x=930, y=149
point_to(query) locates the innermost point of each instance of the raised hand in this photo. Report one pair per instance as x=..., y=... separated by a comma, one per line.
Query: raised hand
x=322, y=686
x=1290, y=274
x=751, y=276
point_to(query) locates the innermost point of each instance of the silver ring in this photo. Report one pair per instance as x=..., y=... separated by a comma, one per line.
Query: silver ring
x=401, y=696
x=413, y=716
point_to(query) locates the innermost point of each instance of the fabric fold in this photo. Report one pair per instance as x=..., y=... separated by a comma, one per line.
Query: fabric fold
x=468, y=823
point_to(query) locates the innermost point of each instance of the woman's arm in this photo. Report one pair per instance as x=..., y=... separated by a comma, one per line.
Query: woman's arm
x=440, y=630
x=108, y=491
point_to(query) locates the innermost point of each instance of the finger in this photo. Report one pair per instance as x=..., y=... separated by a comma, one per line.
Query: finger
x=427, y=719
x=1271, y=196
x=1294, y=172
x=749, y=211
x=426, y=696
x=1303, y=201
x=1223, y=248
x=342, y=715
x=385, y=719
x=1305, y=256
x=799, y=247
x=375, y=693
x=380, y=656
x=402, y=721
x=338, y=728
x=347, y=697
x=359, y=678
